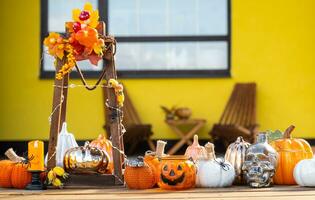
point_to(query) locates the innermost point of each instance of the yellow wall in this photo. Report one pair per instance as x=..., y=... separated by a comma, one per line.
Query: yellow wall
x=272, y=44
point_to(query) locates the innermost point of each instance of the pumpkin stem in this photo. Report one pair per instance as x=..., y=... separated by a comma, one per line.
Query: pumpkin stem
x=210, y=151
x=195, y=143
x=160, y=146
x=240, y=139
x=10, y=153
x=288, y=131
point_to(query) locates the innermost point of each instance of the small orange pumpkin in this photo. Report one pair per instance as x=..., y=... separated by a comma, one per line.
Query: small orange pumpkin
x=195, y=151
x=6, y=167
x=138, y=175
x=154, y=163
x=20, y=177
x=106, y=145
x=177, y=173
x=291, y=151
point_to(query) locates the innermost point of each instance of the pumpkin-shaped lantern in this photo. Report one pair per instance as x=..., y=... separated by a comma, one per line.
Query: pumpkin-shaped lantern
x=304, y=173
x=20, y=177
x=139, y=175
x=195, y=151
x=6, y=167
x=85, y=160
x=176, y=173
x=235, y=154
x=105, y=145
x=291, y=151
x=212, y=172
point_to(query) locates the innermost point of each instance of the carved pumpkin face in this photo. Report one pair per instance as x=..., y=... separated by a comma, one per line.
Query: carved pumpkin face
x=173, y=173
x=177, y=173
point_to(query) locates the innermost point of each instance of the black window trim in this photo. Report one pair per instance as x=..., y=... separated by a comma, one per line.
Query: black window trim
x=146, y=73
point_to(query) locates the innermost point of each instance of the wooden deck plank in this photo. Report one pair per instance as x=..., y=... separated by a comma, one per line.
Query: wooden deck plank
x=236, y=192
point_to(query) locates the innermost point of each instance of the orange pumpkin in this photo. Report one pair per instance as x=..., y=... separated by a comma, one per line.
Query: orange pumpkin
x=20, y=177
x=291, y=151
x=106, y=145
x=6, y=167
x=177, y=173
x=138, y=175
x=154, y=163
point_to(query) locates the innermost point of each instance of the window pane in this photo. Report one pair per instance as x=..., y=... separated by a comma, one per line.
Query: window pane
x=167, y=17
x=48, y=63
x=60, y=11
x=172, y=56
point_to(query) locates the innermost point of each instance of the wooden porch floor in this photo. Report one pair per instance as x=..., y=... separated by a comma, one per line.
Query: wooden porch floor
x=236, y=192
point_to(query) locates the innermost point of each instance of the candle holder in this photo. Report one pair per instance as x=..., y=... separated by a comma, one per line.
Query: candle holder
x=36, y=183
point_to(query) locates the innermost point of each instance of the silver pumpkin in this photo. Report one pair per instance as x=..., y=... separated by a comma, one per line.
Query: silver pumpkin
x=260, y=163
x=235, y=154
x=85, y=160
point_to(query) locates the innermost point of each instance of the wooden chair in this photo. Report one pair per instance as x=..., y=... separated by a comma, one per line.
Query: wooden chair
x=136, y=131
x=239, y=116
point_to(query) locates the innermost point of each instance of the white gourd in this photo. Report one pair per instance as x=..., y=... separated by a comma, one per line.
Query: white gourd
x=304, y=172
x=65, y=142
x=210, y=173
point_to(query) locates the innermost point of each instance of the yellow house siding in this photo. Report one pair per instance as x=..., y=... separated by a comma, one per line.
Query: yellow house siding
x=272, y=44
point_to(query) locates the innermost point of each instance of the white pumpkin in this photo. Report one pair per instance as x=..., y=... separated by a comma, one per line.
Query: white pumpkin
x=65, y=141
x=304, y=172
x=212, y=172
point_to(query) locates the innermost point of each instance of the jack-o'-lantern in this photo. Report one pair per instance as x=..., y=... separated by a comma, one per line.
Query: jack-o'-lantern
x=177, y=173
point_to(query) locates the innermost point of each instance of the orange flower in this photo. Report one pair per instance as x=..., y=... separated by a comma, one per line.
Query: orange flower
x=92, y=21
x=55, y=44
x=99, y=46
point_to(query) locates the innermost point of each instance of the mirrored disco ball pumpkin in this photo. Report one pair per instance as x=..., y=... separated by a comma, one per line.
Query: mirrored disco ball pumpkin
x=84, y=160
x=176, y=173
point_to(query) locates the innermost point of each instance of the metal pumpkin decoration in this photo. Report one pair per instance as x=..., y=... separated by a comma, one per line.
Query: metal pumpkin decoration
x=235, y=154
x=177, y=173
x=86, y=160
x=260, y=163
x=291, y=151
x=139, y=175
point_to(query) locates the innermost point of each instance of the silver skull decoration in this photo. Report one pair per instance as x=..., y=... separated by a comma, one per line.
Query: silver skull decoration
x=260, y=163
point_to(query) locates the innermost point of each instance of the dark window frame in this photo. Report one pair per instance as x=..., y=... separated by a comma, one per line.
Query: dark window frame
x=103, y=11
